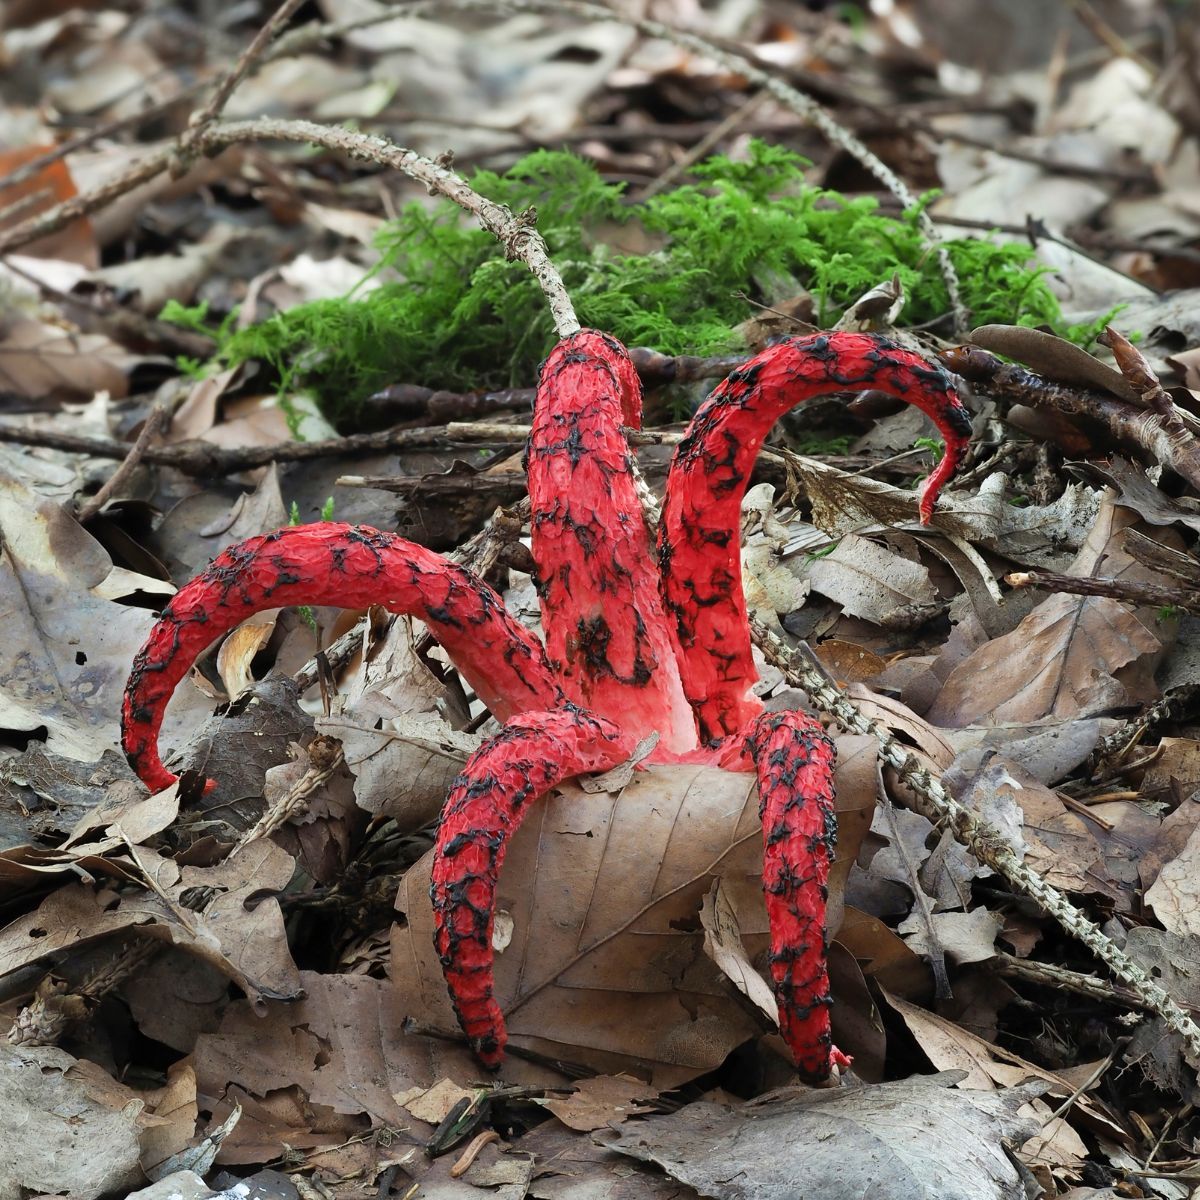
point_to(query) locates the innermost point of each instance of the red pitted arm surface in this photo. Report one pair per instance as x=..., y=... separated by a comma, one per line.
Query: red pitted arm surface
x=699, y=550
x=532, y=754
x=794, y=758
x=604, y=624
x=350, y=566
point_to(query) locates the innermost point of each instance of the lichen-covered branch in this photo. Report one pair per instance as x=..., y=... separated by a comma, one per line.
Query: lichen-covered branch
x=985, y=842
x=516, y=232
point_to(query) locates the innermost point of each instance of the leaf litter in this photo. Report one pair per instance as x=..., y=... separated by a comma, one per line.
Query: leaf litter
x=281, y=1007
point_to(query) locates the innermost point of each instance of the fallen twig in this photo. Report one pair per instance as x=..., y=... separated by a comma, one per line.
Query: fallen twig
x=408, y=401
x=1060, y=978
x=1144, y=427
x=129, y=464
x=198, y=458
x=1132, y=590
x=515, y=232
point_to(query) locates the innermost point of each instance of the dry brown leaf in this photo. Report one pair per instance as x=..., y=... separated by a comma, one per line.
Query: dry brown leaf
x=843, y=1143
x=66, y=652
x=1167, y=838
x=39, y=360
x=1056, y=1145
x=884, y=956
x=1062, y=661
x=238, y=650
x=929, y=742
x=1054, y=357
x=124, y=818
x=341, y=1044
x=857, y=1026
x=432, y=1104
x=723, y=944
x=75, y=242
x=147, y=283
x=1048, y=750
x=198, y=412
x=874, y=583
x=1073, y=656
x=844, y=503
x=601, y=1102
x=848, y=662
x=1136, y=491
x=1174, y=775
x=606, y=964
x=246, y=944
x=66, y=1126
x=1062, y=846
x=949, y=1047
x=176, y=997
x=1037, y=535
x=966, y=937
x=423, y=751
x=175, y=1106
x=570, y=1167
x=320, y=835
x=1175, y=894
x=97, y=167
x=198, y=528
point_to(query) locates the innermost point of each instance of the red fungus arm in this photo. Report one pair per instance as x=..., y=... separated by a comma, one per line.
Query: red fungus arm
x=601, y=610
x=699, y=551
x=794, y=758
x=350, y=566
x=532, y=754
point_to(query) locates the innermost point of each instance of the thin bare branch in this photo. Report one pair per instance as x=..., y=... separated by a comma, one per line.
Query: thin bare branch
x=129, y=464
x=1160, y=438
x=226, y=85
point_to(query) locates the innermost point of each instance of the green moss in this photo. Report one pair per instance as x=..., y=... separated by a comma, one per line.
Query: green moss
x=450, y=313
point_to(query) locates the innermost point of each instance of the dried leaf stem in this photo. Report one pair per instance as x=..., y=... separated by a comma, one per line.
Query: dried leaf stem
x=1053, y=976
x=988, y=845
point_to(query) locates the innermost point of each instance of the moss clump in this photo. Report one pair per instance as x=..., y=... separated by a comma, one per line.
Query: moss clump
x=453, y=314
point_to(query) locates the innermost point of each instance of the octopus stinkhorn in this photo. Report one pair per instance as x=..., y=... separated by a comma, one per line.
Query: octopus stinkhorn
x=634, y=643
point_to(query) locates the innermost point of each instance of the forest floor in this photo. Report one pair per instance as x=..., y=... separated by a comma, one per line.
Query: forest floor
x=226, y=307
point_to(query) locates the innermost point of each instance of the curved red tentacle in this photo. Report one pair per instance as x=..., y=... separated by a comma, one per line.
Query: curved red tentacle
x=698, y=543
x=350, y=566
x=602, y=614
x=794, y=758
x=532, y=754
